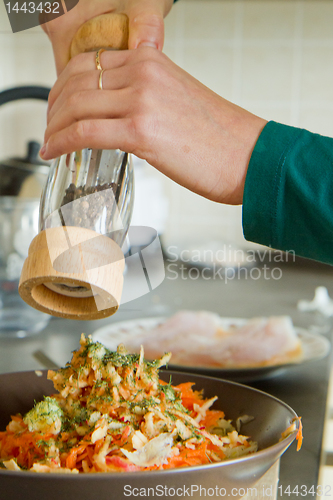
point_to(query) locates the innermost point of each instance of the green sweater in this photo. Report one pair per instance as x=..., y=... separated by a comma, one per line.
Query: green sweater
x=288, y=195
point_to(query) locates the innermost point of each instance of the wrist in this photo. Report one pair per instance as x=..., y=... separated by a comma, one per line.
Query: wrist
x=241, y=132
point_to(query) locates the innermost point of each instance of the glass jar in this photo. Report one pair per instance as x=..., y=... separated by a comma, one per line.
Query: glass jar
x=18, y=226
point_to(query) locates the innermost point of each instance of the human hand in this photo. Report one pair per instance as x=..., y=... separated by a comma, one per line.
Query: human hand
x=151, y=107
x=146, y=26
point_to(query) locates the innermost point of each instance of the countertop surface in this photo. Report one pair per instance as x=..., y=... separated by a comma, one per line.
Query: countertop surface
x=244, y=295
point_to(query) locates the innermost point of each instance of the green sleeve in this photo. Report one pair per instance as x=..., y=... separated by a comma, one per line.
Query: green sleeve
x=288, y=194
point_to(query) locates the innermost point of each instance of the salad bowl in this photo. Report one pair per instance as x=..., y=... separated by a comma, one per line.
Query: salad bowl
x=232, y=477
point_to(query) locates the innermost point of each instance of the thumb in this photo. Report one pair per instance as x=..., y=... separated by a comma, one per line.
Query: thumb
x=146, y=25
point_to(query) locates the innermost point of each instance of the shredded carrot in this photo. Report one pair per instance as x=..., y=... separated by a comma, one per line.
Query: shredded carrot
x=98, y=445
x=71, y=459
x=211, y=418
x=299, y=435
x=189, y=397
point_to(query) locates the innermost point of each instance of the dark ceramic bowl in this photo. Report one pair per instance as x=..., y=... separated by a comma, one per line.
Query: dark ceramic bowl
x=271, y=417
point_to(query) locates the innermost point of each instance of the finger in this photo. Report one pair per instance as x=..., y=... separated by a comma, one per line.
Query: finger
x=95, y=134
x=114, y=79
x=87, y=62
x=89, y=105
x=146, y=25
x=60, y=34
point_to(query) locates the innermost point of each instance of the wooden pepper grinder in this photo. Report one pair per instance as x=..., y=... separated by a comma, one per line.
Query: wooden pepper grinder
x=75, y=265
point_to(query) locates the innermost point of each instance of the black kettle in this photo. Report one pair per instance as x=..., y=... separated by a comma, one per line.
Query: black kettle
x=24, y=177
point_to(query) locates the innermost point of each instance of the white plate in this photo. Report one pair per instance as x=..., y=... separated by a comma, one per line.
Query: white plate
x=315, y=347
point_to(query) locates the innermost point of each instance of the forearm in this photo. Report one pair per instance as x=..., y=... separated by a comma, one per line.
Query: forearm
x=288, y=195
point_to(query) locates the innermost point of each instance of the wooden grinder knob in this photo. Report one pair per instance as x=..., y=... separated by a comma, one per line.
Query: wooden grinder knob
x=72, y=272
x=108, y=31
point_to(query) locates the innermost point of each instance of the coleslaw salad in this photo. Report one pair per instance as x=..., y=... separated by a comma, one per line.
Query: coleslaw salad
x=112, y=413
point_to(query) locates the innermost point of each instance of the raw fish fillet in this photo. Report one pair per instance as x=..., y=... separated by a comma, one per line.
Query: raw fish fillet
x=196, y=339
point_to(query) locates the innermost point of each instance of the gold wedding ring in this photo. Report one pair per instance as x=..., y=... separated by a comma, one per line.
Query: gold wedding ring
x=98, y=60
x=100, y=80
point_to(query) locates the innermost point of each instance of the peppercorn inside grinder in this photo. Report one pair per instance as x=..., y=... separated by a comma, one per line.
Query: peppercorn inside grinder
x=75, y=264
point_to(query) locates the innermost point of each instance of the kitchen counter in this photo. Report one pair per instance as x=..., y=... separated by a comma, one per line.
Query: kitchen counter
x=271, y=292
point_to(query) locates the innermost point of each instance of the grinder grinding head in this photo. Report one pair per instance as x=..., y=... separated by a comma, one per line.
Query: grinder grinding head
x=73, y=273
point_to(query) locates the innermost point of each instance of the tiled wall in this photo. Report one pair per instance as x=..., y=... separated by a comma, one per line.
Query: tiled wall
x=274, y=57
x=25, y=59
